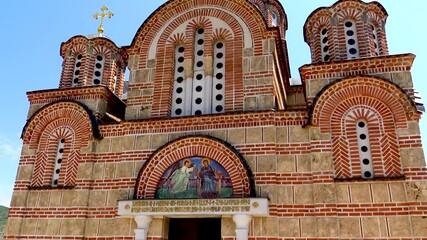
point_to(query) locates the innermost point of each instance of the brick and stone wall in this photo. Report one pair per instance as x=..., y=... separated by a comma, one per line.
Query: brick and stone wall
x=293, y=145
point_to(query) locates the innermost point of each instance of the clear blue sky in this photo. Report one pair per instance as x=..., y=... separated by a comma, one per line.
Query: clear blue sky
x=32, y=32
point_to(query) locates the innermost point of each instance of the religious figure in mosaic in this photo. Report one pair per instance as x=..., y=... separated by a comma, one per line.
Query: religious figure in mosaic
x=208, y=180
x=181, y=177
x=195, y=177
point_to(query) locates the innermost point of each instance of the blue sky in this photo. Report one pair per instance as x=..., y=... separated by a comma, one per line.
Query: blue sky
x=32, y=32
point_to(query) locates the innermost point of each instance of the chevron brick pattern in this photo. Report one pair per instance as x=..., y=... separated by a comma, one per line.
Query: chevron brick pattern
x=63, y=120
x=67, y=114
x=364, y=90
x=72, y=167
x=391, y=156
x=39, y=168
x=341, y=157
x=337, y=112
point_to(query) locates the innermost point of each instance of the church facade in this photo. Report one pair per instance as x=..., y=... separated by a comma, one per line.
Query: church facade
x=210, y=138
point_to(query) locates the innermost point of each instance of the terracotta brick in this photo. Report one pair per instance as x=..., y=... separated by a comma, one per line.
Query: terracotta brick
x=296, y=146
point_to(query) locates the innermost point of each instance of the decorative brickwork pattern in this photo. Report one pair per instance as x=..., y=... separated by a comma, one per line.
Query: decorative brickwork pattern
x=162, y=159
x=113, y=71
x=152, y=41
x=61, y=120
x=305, y=144
x=383, y=105
x=340, y=152
x=364, y=15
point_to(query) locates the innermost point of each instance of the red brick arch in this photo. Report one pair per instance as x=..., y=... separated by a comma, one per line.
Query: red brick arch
x=246, y=10
x=166, y=48
x=71, y=114
x=163, y=158
x=360, y=89
x=382, y=104
x=66, y=120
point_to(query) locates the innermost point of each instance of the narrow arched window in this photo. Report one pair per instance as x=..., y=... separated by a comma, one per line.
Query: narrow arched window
x=364, y=147
x=99, y=70
x=200, y=90
x=324, y=45
x=180, y=98
x=351, y=39
x=200, y=104
x=375, y=40
x=218, y=84
x=58, y=162
x=76, y=73
x=274, y=19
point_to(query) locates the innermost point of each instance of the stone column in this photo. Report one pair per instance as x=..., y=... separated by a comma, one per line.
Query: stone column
x=143, y=224
x=242, y=225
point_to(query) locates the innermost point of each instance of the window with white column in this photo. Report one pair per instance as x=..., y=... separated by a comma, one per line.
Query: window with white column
x=324, y=45
x=365, y=153
x=218, y=86
x=76, y=73
x=180, y=101
x=200, y=104
x=99, y=70
x=351, y=39
x=58, y=162
x=375, y=40
x=204, y=89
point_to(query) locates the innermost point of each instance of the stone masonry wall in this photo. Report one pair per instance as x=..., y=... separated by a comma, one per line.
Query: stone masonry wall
x=291, y=168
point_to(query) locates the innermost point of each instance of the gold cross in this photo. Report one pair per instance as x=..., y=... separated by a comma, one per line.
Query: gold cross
x=102, y=15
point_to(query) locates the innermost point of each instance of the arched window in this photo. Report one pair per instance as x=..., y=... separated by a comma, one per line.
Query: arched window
x=274, y=19
x=203, y=91
x=364, y=147
x=76, y=72
x=58, y=161
x=180, y=99
x=200, y=104
x=324, y=45
x=99, y=70
x=218, y=89
x=351, y=39
x=375, y=40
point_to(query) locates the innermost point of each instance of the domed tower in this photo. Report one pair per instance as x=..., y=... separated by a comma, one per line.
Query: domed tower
x=346, y=90
x=93, y=71
x=92, y=61
x=348, y=29
x=273, y=13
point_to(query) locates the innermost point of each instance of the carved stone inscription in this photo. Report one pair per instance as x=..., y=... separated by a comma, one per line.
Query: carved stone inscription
x=194, y=207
